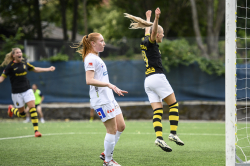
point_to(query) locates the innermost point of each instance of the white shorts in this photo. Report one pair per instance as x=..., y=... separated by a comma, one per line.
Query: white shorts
x=19, y=99
x=108, y=111
x=157, y=87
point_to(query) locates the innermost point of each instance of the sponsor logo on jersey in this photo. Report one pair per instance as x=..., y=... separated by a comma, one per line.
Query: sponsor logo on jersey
x=105, y=73
x=24, y=66
x=21, y=74
x=109, y=111
x=16, y=68
x=100, y=112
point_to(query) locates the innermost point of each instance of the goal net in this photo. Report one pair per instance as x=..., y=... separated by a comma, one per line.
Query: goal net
x=237, y=81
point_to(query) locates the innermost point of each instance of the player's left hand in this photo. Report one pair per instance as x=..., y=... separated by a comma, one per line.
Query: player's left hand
x=148, y=13
x=52, y=68
x=120, y=92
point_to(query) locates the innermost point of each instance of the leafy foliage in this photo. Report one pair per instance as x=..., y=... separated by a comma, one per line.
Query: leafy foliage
x=57, y=58
x=9, y=43
x=178, y=52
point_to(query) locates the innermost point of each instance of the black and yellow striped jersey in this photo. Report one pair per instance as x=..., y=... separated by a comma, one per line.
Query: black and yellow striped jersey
x=17, y=73
x=151, y=55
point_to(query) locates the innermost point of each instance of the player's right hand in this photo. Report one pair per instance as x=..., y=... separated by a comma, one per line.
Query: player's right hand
x=157, y=12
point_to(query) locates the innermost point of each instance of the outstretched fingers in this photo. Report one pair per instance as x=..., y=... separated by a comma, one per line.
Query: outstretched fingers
x=119, y=91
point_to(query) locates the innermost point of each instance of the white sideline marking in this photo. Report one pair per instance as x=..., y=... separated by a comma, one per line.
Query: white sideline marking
x=27, y=136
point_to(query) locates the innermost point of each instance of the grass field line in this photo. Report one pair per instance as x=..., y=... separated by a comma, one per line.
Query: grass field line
x=51, y=134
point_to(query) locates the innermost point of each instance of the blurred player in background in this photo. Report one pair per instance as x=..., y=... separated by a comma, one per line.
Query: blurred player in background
x=156, y=84
x=91, y=114
x=38, y=100
x=17, y=70
x=101, y=94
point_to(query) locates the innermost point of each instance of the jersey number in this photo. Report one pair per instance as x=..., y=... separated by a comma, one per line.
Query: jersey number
x=150, y=70
x=145, y=58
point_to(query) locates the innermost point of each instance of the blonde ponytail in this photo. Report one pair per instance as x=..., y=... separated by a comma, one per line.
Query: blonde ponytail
x=137, y=22
x=9, y=57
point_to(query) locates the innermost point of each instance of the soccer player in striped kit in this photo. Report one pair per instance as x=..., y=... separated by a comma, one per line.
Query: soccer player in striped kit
x=101, y=94
x=22, y=93
x=156, y=84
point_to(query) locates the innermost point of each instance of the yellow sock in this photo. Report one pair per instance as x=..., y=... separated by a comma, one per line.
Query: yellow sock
x=173, y=117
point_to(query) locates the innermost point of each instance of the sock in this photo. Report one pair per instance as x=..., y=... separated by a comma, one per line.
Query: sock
x=16, y=112
x=117, y=136
x=109, y=145
x=173, y=117
x=34, y=118
x=157, y=122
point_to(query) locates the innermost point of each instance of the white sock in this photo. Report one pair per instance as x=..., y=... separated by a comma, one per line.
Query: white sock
x=109, y=145
x=117, y=136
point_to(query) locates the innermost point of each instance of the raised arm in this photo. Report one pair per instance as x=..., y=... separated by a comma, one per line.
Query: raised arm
x=148, y=16
x=155, y=25
x=40, y=70
x=91, y=81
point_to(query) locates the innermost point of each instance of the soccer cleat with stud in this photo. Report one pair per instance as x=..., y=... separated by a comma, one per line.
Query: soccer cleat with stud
x=9, y=111
x=162, y=144
x=111, y=163
x=38, y=134
x=176, y=139
x=102, y=156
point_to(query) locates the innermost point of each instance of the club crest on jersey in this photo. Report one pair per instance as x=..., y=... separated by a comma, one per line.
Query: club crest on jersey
x=100, y=112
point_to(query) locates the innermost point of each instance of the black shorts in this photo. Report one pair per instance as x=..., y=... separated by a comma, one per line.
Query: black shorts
x=37, y=105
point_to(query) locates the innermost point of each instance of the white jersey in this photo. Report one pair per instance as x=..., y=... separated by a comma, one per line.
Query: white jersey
x=98, y=95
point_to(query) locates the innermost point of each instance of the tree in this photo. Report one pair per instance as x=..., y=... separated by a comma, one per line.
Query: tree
x=213, y=31
x=85, y=17
x=74, y=20
x=9, y=43
x=63, y=4
x=38, y=26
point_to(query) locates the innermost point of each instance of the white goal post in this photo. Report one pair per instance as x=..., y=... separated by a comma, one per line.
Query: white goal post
x=230, y=82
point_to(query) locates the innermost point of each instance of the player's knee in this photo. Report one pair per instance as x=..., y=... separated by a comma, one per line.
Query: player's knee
x=122, y=128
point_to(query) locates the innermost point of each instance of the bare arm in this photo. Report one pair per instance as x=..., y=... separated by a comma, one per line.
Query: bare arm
x=2, y=79
x=40, y=70
x=42, y=99
x=155, y=25
x=91, y=81
x=148, y=16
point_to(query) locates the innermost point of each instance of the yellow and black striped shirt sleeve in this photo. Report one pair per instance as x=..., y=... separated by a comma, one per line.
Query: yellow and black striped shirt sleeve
x=5, y=76
x=30, y=67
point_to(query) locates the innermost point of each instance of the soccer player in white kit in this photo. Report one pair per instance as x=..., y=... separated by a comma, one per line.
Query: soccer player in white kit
x=101, y=94
x=156, y=84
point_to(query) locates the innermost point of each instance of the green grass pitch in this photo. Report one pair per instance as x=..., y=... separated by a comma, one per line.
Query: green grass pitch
x=81, y=142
